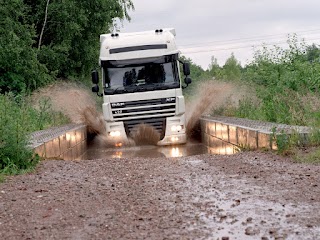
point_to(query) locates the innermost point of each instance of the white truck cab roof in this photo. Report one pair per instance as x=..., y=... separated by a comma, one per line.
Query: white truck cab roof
x=135, y=45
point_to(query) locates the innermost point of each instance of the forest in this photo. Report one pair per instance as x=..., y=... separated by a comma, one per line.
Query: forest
x=42, y=42
x=45, y=41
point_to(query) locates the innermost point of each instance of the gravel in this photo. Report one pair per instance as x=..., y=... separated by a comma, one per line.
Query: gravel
x=249, y=195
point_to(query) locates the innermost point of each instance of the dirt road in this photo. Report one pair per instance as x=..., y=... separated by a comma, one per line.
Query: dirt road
x=251, y=195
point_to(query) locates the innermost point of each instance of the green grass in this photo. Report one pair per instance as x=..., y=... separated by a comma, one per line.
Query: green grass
x=17, y=120
x=311, y=157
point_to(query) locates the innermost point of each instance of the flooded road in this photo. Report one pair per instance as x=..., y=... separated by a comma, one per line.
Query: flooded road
x=189, y=149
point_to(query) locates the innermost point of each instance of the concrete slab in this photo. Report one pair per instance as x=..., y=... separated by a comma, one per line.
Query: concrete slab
x=242, y=135
x=52, y=148
x=233, y=135
x=59, y=142
x=249, y=133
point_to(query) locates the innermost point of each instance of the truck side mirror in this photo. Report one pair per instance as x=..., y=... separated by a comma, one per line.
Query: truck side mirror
x=95, y=77
x=95, y=89
x=187, y=80
x=186, y=69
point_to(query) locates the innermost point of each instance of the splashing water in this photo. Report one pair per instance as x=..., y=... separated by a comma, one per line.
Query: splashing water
x=94, y=120
x=209, y=95
x=66, y=97
x=145, y=134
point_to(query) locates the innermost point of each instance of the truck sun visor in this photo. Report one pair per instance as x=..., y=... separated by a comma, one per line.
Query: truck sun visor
x=134, y=62
x=138, y=48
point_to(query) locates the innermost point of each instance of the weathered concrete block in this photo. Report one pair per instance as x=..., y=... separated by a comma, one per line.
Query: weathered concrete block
x=233, y=138
x=84, y=132
x=78, y=151
x=80, y=134
x=40, y=150
x=67, y=155
x=212, y=128
x=204, y=126
x=224, y=132
x=242, y=134
x=225, y=150
x=264, y=140
x=64, y=143
x=229, y=149
x=52, y=148
x=217, y=145
x=75, y=152
x=218, y=130
x=57, y=141
x=214, y=150
x=83, y=146
x=213, y=141
x=203, y=134
x=71, y=137
x=252, y=139
x=207, y=140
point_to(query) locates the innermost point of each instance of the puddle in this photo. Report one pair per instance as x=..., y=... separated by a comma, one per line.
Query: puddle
x=189, y=149
x=218, y=147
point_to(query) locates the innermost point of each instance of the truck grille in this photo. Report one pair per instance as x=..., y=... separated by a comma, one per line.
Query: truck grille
x=152, y=112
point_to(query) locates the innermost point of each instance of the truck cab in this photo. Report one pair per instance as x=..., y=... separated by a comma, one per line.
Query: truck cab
x=141, y=84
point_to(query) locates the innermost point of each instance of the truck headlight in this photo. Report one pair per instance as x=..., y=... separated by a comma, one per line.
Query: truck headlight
x=115, y=134
x=176, y=128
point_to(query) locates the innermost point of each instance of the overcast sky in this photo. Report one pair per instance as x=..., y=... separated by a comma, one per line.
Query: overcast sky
x=217, y=28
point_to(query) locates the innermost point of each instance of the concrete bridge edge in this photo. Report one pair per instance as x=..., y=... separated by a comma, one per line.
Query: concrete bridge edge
x=66, y=142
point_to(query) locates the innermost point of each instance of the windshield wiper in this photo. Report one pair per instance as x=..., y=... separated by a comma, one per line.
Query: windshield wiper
x=131, y=88
x=164, y=86
x=111, y=91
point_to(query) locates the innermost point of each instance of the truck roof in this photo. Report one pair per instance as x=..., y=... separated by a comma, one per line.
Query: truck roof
x=122, y=46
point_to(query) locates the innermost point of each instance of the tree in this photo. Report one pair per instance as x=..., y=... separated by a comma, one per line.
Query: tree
x=214, y=68
x=313, y=53
x=68, y=31
x=43, y=39
x=20, y=69
x=231, y=69
x=196, y=71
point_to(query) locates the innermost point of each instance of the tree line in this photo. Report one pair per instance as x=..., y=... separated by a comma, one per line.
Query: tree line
x=286, y=82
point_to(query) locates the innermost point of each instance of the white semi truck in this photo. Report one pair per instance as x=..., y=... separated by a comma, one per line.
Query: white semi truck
x=142, y=85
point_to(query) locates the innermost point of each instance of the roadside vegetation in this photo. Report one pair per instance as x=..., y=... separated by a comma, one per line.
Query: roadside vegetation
x=42, y=42
x=18, y=118
x=286, y=84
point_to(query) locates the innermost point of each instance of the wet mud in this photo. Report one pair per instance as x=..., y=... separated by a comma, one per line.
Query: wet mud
x=249, y=195
x=148, y=192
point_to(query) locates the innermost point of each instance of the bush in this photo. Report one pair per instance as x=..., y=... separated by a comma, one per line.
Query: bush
x=17, y=120
x=14, y=154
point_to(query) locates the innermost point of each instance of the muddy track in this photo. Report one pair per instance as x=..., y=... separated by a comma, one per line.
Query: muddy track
x=250, y=195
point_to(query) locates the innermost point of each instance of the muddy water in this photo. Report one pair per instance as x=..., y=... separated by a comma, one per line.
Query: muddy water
x=150, y=151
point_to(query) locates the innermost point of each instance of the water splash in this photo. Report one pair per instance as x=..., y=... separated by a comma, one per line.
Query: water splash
x=210, y=95
x=145, y=134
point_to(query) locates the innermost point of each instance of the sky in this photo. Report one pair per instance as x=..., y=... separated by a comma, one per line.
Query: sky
x=218, y=28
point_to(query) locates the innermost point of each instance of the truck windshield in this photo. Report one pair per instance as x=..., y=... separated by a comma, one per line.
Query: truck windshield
x=140, y=75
